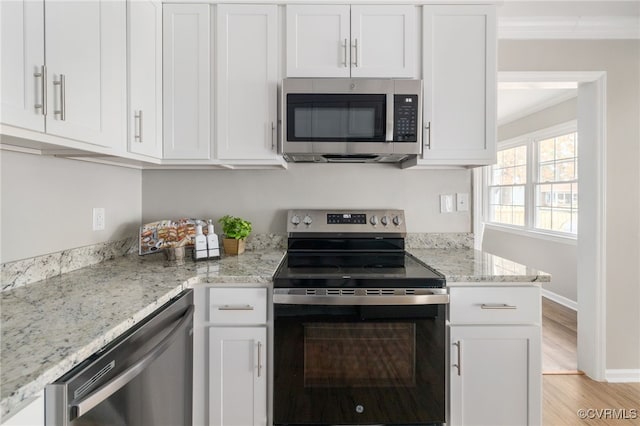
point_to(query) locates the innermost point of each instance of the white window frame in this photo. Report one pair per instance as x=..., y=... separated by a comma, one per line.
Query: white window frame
x=529, y=229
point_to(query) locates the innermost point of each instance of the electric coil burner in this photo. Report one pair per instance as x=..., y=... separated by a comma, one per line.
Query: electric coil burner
x=359, y=324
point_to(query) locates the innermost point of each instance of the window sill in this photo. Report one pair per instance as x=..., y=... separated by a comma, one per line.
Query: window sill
x=562, y=239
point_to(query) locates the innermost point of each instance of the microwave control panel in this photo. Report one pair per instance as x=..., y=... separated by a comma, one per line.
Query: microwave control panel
x=405, y=113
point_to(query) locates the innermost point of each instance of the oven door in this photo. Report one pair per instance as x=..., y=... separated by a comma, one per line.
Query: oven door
x=359, y=363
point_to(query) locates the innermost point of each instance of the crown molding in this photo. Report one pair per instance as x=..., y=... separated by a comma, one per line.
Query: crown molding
x=568, y=27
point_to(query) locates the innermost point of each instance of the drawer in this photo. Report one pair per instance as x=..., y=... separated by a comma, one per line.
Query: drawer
x=494, y=305
x=238, y=306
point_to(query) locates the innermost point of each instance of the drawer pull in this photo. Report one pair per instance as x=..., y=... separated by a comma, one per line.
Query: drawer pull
x=497, y=306
x=235, y=308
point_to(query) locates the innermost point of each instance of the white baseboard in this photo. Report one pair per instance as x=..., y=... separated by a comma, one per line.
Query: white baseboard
x=623, y=376
x=560, y=299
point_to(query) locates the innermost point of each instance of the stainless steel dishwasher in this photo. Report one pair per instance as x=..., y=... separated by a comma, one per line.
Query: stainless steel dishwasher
x=142, y=378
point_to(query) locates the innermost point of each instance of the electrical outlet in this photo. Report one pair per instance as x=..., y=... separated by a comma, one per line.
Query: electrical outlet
x=462, y=199
x=98, y=219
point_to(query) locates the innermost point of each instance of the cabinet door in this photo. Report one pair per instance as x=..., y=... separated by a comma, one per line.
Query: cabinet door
x=30, y=415
x=21, y=58
x=495, y=375
x=318, y=41
x=459, y=68
x=186, y=81
x=246, y=82
x=86, y=61
x=383, y=41
x=144, y=25
x=237, y=376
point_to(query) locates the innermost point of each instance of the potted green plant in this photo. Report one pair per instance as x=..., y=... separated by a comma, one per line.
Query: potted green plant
x=235, y=230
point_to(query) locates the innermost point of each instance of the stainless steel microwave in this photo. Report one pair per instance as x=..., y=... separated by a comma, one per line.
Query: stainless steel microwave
x=351, y=120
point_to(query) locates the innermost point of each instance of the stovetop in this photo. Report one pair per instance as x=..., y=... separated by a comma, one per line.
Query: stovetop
x=351, y=248
x=362, y=270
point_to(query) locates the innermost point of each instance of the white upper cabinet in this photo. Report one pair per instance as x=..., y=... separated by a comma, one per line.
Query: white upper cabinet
x=318, y=41
x=144, y=33
x=246, y=82
x=77, y=87
x=187, y=81
x=22, y=63
x=383, y=41
x=351, y=41
x=459, y=66
x=86, y=67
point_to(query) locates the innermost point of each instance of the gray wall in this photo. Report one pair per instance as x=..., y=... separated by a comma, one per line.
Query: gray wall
x=263, y=196
x=557, y=258
x=47, y=204
x=621, y=61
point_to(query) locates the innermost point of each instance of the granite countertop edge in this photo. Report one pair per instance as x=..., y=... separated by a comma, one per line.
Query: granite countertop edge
x=23, y=394
x=447, y=261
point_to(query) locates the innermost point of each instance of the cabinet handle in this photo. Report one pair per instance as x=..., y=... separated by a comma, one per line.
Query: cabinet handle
x=497, y=306
x=427, y=142
x=355, y=58
x=43, y=86
x=344, y=46
x=458, y=345
x=235, y=308
x=62, y=110
x=259, y=358
x=273, y=138
x=138, y=126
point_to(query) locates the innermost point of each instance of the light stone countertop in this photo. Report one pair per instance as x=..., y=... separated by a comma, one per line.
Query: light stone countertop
x=51, y=326
x=464, y=266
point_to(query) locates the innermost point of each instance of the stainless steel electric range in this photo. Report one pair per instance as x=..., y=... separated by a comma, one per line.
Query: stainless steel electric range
x=359, y=324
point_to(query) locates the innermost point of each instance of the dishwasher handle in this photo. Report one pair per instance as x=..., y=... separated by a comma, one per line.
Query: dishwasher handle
x=96, y=397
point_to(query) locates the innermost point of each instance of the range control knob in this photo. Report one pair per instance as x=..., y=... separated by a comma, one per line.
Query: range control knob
x=374, y=220
x=307, y=220
x=295, y=219
x=397, y=220
x=384, y=220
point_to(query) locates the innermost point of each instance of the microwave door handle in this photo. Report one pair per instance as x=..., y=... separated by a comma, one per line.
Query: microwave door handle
x=390, y=109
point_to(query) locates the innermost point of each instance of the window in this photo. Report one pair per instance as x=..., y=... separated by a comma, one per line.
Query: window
x=507, y=187
x=556, y=188
x=534, y=184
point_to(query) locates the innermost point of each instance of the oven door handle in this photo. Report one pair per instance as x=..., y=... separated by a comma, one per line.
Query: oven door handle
x=303, y=299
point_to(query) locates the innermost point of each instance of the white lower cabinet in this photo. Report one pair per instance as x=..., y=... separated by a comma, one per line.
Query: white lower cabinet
x=237, y=376
x=230, y=356
x=495, y=375
x=30, y=415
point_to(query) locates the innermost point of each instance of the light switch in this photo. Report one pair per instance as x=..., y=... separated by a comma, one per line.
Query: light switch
x=462, y=201
x=446, y=203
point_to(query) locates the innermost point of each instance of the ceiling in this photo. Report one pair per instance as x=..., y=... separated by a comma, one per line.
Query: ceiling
x=517, y=100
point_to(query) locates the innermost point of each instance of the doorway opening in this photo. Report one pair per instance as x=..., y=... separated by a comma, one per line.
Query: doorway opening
x=585, y=252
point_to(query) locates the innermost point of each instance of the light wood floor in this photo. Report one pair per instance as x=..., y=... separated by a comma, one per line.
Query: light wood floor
x=565, y=391
x=564, y=395
x=559, y=338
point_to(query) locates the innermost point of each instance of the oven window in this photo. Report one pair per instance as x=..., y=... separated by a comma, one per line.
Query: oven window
x=336, y=117
x=359, y=355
